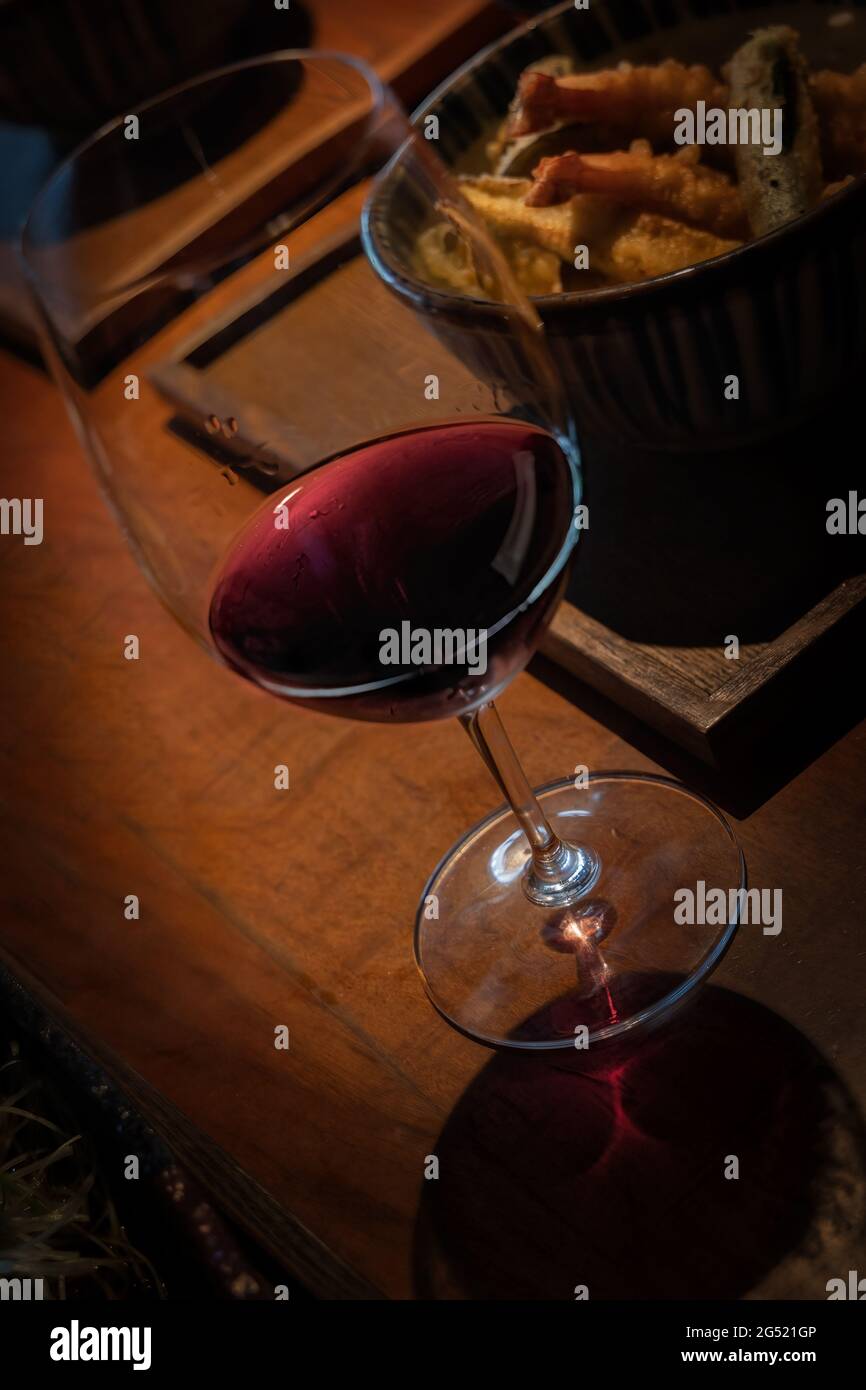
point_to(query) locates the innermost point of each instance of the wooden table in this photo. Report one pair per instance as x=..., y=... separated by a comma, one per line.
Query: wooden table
x=261, y=908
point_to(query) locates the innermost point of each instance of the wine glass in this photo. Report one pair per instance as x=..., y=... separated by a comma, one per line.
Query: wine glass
x=348, y=516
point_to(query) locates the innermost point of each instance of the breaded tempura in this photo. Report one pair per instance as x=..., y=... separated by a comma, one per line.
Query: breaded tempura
x=840, y=101
x=502, y=205
x=672, y=185
x=447, y=258
x=623, y=243
x=640, y=100
x=769, y=72
x=654, y=245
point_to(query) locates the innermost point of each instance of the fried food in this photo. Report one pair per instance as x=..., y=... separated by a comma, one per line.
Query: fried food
x=446, y=258
x=534, y=250
x=502, y=204
x=624, y=243
x=640, y=100
x=674, y=186
x=507, y=153
x=833, y=188
x=840, y=104
x=622, y=206
x=654, y=245
x=770, y=73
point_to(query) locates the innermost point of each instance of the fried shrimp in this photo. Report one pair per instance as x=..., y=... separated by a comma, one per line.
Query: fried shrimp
x=670, y=185
x=641, y=100
x=620, y=188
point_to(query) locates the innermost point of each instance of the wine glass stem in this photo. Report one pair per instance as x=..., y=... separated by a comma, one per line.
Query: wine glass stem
x=559, y=872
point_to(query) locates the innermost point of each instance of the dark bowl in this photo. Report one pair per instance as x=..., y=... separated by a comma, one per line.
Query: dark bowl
x=645, y=364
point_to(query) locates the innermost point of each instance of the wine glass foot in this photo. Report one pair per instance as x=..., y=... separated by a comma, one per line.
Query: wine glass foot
x=569, y=874
x=663, y=877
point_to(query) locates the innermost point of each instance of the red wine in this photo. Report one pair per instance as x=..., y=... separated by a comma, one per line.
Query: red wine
x=409, y=579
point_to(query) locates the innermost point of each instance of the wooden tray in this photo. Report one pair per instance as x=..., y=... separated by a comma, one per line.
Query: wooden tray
x=681, y=555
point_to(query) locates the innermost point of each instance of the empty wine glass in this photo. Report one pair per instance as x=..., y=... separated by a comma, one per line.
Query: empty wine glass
x=352, y=518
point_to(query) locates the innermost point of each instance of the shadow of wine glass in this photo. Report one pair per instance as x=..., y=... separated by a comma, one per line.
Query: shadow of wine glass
x=617, y=1180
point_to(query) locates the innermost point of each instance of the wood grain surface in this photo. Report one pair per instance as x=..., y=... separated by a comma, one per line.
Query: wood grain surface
x=261, y=908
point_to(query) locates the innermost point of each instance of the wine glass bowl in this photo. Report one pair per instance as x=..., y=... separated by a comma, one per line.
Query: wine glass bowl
x=389, y=586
